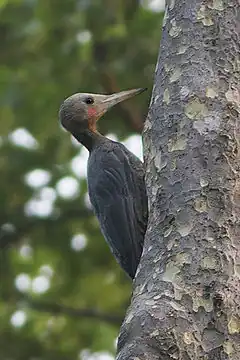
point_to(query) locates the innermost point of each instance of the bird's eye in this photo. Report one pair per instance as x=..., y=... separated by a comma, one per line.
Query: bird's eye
x=89, y=100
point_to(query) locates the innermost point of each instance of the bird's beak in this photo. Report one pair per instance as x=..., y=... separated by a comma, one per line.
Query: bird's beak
x=111, y=100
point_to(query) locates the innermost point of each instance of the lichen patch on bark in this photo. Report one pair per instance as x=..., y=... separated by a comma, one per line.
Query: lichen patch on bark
x=234, y=325
x=233, y=97
x=195, y=109
x=216, y=5
x=211, y=92
x=204, y=17
x=175, y=75
x=166, y=96
x=175, y=29
x=182, y=49
x=177, y=144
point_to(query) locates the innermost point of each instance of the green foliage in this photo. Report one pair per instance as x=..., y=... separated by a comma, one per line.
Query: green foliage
x=49, y=50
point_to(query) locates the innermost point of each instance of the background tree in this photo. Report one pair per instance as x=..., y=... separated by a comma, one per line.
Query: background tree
x=60, y=289
x=186, y=301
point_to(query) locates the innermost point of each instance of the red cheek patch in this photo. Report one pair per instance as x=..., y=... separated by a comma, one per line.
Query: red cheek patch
x=92, y=112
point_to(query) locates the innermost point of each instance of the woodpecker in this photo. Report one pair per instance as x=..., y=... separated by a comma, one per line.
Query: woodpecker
x=115, y=176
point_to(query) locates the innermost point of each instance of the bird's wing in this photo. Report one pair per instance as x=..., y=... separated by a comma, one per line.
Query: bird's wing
x=115, y=196
x=139, y=188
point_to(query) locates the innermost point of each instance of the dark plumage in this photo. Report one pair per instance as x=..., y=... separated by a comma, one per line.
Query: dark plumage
x=115, y=177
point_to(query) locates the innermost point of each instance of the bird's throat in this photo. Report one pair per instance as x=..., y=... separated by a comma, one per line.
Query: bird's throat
x=88, y=138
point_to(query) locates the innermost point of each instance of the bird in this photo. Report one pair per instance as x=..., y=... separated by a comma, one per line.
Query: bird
x=115, y=176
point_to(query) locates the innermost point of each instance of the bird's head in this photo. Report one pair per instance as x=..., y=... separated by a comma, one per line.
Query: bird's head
x=81, y=111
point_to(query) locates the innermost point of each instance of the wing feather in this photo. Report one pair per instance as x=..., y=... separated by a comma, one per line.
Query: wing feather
x=116, y=195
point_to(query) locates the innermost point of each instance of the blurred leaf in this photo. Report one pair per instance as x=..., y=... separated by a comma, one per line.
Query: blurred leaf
x=50, y=50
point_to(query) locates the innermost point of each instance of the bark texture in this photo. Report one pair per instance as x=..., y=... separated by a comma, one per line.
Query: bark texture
x=186, y=297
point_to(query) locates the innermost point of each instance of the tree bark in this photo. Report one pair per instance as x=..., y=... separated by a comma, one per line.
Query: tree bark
x=186, y=296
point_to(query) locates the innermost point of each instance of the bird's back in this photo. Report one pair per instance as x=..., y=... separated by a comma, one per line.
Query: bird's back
x=118, y=195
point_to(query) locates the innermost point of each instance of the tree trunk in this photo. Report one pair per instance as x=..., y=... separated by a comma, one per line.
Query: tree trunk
x=186, y=297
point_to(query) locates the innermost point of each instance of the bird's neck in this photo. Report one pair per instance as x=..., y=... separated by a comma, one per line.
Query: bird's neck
x=89, y=139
